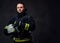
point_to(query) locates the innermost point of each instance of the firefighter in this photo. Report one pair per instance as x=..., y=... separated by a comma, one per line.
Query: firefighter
x=20, y=26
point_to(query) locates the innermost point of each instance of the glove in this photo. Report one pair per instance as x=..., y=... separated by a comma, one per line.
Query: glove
x=10, y=28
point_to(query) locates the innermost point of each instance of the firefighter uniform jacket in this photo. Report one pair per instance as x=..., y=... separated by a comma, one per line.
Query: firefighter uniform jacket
x=20, y=27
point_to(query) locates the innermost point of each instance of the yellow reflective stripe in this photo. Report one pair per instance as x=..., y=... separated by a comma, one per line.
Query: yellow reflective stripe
x=15, y=22
x=6, y=27
x=19, y=40
x=26, y=26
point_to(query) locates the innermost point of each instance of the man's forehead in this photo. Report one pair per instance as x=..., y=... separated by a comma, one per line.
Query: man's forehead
x=20, y=4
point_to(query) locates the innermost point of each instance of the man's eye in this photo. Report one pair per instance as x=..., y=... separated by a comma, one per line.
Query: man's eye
x=20, y=7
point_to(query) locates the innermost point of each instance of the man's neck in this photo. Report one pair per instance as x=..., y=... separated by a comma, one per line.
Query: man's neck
x=21, y=14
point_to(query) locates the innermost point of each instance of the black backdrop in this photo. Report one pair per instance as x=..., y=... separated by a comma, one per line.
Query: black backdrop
x=43, y=12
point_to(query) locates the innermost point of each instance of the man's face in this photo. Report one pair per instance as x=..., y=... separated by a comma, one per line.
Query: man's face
x=20, y=8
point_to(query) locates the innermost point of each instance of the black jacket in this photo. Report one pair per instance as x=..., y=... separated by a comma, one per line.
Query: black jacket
x=24, y=18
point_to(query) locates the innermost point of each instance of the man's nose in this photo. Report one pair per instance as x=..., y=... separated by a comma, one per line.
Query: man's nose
x=19, y=9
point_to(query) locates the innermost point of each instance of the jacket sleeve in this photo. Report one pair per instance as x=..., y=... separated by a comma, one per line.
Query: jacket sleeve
x=30, y=24
x=31, y=21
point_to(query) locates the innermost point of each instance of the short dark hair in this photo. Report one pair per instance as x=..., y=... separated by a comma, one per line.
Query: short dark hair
x=21, y=3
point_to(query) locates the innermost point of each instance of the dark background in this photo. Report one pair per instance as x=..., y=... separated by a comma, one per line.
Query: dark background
x=43, y=12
